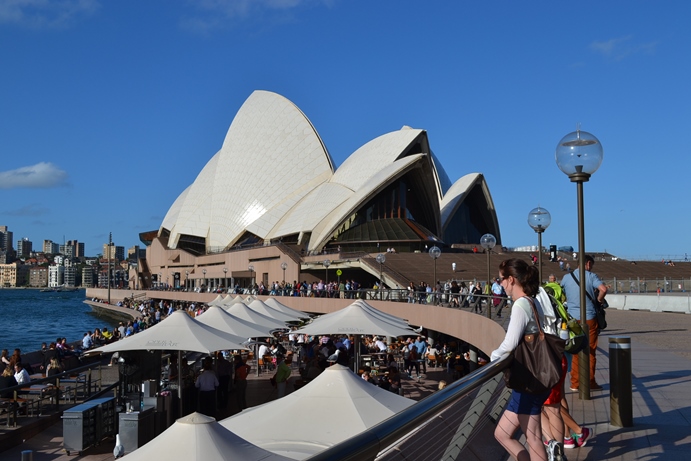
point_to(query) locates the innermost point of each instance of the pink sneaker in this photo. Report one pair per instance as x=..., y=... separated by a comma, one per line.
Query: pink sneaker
x=569, y=443
x=582, y=439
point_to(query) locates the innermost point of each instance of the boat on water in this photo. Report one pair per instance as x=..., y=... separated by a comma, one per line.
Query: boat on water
x=59, y=290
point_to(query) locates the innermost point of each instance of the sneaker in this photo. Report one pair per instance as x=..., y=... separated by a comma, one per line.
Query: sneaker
x=582, y=439
x=574, y=388
x=595, y=387
x=555, y=452
x=569, y=442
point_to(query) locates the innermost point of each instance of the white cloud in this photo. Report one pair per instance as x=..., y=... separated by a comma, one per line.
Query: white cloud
x=45, y=13
x=622, y=47
x=213, y=14
x=40, y=176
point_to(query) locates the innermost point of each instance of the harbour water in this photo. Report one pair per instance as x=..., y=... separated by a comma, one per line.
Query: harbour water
x=31, y=317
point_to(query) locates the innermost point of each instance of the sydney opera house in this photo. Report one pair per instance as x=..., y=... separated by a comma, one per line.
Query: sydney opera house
x=271, y=200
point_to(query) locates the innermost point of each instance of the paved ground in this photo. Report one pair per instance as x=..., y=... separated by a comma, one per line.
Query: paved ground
x=661, y=368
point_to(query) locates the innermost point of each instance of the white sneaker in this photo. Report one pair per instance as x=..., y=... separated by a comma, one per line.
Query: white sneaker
x=555, y=452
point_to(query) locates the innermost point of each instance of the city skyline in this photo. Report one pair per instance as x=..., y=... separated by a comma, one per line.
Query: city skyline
x=111, y=109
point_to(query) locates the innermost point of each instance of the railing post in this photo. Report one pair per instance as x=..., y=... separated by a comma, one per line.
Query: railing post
x=621, y=394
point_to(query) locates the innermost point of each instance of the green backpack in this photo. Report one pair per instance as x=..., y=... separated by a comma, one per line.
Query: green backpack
x=576, y=340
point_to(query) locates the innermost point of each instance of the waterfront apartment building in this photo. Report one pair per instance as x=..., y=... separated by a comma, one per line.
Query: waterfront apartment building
x=24, y=248
x=70, y=275
x=56, y=275
x=87, y=276
x=38, y=276
x=8, y=275
x=77, y=248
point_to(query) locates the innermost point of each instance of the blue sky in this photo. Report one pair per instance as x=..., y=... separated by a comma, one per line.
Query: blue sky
x=109, y=109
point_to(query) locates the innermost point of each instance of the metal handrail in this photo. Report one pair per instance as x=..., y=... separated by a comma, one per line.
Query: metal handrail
x=366, y=445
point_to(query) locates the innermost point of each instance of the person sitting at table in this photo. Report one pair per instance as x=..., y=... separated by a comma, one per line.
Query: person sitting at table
x=394, y=380
x=20, y=374
x=7, y=380
x=54, y=367
x=380, y=345
x=391, y=361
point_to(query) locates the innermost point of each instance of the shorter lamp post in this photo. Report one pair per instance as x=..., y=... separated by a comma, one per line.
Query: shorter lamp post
x=326, y=263
x=160, y=280
x=434, y=253
x=251, y=268
x=539, y=219
x=187, y=280
x=284, y=266
x=488, y=241
x=381, y=259
x=204, y=282
x=225, y=279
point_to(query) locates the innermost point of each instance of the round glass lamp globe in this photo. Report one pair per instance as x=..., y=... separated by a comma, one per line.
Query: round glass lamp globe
x=539, y=219
x=381, y=259
x=434, y=252
x=488, y=241
x=579, y=153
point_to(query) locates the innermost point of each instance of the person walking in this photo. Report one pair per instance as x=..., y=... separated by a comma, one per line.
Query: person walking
x=240, y=381
x=521, y=283
x=282, y=375
x=597, y=290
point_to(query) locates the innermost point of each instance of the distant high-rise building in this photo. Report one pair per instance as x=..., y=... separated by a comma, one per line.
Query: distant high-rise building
x=50, y=247
x=67, y=251
x=6, y=246
x=114, y=252
x=24, y=248
x=87, y=276
x=78, y=248
x=133, y=253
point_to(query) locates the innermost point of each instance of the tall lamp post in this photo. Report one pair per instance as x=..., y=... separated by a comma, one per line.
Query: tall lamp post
x=579, y=155
x=381, y=259
x=225, y=279
x=160, y=280
x=251, y=268
x=539, y=219
x=326, y=263
x=434, y=253
x=487, y=242
x=204, y=283
x=187, y=280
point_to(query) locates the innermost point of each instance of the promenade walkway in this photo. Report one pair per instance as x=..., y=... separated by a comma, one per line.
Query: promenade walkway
x=661, y=388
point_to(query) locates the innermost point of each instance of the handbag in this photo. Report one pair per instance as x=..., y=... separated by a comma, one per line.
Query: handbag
x=536, y=364
x=599, y=308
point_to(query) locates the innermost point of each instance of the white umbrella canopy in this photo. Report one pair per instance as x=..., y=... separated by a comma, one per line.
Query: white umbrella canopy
x=218, y=301
x=217, y=317
x=259, y=306
x=230, y=300
x=241, y=310
x=197, y=436
x=383, y=315
x=279, y=306
x=354, y=319
x=358, y=405
x=177, y=332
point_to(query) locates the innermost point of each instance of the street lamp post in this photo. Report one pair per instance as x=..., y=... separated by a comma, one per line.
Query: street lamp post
x=251, y=268
x=434, y=253
x=204, y=283
x=284, y=266
x=381, y=259
x=579, y=155
x=225, y=279
x=160, y=280
x=326, y=263
x=187, y=280
x=487, y=242
x=539, y=219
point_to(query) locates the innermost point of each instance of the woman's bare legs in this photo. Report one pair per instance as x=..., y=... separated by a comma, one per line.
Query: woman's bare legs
x=530, y=425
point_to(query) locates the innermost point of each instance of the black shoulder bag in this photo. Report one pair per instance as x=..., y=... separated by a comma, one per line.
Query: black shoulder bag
x=599, y=308
x=536, y=364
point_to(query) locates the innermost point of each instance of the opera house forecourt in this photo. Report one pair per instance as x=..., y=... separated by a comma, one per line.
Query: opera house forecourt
x=271, y=201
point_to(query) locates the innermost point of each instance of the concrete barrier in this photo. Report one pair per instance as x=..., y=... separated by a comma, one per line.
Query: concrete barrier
x=651, y=302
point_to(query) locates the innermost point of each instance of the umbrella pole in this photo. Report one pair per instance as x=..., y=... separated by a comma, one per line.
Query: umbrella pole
x=256, y=354
x=180, y=382
x=356, y=353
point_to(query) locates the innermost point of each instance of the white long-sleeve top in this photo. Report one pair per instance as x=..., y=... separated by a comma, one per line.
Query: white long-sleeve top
x=521, y=315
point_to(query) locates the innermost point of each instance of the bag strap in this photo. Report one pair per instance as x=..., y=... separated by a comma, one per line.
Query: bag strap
x=537, y=317
x=596, y=304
